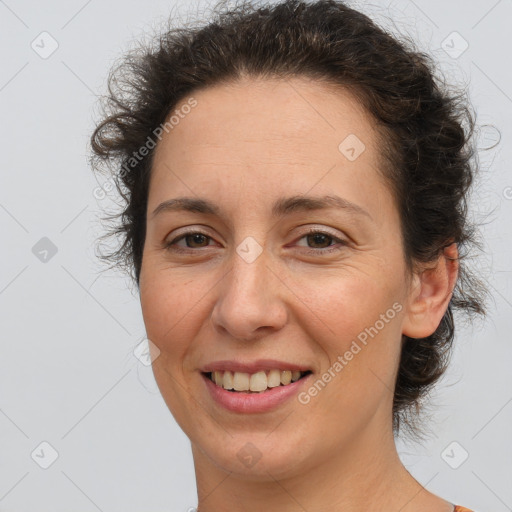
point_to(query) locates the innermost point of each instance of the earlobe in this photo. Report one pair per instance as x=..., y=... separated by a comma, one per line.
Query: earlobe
x=430, y=294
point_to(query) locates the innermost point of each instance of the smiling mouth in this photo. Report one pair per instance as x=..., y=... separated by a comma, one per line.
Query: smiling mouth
x=259, y=382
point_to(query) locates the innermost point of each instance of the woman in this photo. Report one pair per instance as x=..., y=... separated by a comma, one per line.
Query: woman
x=295, y=183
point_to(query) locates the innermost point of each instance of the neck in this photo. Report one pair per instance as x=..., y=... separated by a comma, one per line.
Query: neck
x=363, y=473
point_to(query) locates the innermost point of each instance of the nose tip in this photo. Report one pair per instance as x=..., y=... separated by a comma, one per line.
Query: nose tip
x=250, y=303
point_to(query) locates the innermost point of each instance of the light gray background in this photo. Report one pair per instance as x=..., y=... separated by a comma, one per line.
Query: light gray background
x=68, y=375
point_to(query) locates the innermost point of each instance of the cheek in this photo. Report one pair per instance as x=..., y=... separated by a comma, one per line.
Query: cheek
x=359, y=318
x=170, y=307
x=170, y=304
x=347, y=302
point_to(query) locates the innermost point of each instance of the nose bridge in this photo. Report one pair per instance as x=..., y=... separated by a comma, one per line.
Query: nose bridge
x=250, y=297
x=249, y=267
x=250, y=260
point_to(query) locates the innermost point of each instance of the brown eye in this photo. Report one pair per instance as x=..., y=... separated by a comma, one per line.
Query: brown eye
x=319, y=238
x=319, y=243
x=196, y=238
x=193, y=240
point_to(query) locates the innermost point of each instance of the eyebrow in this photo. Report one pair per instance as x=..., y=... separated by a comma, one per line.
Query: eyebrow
x=283, y=206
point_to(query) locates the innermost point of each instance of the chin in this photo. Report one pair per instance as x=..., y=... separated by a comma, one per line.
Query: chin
x=259, y=456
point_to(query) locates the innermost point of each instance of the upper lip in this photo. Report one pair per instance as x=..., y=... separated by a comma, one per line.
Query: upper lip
x=252, y=366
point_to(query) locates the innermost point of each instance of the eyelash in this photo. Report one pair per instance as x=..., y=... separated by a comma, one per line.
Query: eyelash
x=324, y=251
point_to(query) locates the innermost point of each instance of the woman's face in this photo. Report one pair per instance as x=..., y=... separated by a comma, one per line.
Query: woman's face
x=254, y=291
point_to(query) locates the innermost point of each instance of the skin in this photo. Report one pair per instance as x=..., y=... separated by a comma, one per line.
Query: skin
x=243, y=146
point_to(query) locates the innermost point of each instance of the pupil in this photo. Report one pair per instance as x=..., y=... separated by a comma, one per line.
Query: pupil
x=197, y=238
x=318, y=236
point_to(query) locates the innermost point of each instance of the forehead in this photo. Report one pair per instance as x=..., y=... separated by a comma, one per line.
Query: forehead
x=269, y=136
x=257, y=110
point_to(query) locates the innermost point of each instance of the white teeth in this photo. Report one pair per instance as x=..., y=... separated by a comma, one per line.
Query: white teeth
x=295, y=375
x=227, y=381
x=256, y=382
x=286, y=377
x=241, y=381
x=274, y=378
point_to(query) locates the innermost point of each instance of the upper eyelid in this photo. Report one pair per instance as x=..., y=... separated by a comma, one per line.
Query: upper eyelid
x=204, y=230
x=310, y=230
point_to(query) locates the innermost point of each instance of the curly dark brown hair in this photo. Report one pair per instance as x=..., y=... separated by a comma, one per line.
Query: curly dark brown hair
x=426, y=132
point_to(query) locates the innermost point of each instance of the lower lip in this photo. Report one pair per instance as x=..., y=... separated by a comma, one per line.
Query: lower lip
x=253, y=402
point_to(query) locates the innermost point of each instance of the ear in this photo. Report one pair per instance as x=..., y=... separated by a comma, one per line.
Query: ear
x=430, y=294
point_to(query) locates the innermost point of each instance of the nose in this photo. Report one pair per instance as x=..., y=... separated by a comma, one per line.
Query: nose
x=251, y=300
